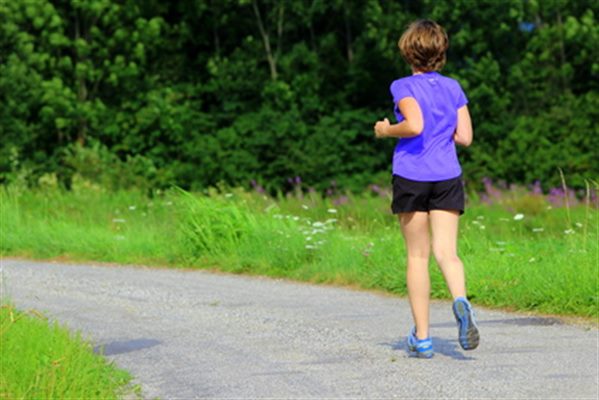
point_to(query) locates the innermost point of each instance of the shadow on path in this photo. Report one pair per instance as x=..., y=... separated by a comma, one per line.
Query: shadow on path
x=522, y=321
x=126, y=346
x=449, y=348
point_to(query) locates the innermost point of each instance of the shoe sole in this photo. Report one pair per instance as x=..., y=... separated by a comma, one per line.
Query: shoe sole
x=468, y=332
x=421, y=354
x=425, y=354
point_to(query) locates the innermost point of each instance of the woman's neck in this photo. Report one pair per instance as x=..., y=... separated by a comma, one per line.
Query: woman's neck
x=419, y=72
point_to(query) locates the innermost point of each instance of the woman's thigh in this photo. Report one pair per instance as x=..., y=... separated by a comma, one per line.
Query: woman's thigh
x=415, y=229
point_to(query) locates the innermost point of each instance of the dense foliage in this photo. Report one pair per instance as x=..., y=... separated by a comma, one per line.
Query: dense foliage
x=197, y=92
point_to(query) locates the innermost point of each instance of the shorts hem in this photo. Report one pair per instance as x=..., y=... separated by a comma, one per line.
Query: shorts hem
x=460, y=210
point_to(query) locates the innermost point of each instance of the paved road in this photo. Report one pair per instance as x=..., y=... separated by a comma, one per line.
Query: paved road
x=186, y=335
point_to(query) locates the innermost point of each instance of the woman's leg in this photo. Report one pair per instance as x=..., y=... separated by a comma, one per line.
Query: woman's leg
x=415, y=229
x=444, y=226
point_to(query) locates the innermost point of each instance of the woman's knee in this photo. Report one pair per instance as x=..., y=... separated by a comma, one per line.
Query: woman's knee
x=420, y=254
x=445, y=255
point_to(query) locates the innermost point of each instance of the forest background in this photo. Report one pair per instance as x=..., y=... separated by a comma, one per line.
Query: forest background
x=194, y=93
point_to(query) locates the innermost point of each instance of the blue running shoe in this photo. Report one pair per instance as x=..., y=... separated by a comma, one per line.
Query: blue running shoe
x=423, y=348
x=467, y=330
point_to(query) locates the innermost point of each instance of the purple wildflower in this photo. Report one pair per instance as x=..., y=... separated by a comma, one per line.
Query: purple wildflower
x=341, y=200
x=257, y=187
x=493, y=194
x=556, y=197
x=536, y=188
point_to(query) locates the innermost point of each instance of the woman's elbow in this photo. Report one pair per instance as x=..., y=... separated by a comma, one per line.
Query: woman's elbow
x=416, y=127
x=463, y=141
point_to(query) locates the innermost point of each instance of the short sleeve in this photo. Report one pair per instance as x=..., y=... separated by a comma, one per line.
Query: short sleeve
x=462, y=100
x=399, y=90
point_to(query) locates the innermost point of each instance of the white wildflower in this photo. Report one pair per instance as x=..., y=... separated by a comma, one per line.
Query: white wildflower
x=309, y=246
x=482, y=227
x=537, y=230
x=119, y=220
x=318, y=224
x=295, y=218
x=330, y=221
x=309, y=238
x=305, y=207
x=332, y=211
x=569, y=231
x=229, y=195
x=518, y=217
x=132, y=208
x=578, y=224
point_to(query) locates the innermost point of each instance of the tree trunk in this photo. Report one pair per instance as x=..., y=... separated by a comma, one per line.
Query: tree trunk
x=348, y=37
x=272, y=61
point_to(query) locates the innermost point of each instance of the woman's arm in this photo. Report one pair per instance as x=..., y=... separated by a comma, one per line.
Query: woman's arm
x=411, y=126
x=463, y=130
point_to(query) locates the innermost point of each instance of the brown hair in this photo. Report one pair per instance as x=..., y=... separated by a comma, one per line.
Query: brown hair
x=423, y=45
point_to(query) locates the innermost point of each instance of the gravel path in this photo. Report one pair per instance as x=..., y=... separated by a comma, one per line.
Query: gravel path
x=194, y=334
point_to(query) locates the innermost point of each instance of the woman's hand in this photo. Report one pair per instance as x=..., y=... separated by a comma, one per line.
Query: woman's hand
x=381, y=128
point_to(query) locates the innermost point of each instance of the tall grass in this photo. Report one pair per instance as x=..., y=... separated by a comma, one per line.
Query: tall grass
x=44, y=361
x=520, y=252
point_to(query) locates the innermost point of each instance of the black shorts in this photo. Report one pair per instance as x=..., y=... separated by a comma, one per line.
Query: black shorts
x=409, y=196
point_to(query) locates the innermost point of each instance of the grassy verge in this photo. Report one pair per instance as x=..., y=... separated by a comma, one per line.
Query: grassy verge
x=41, y=360
x=520, y=253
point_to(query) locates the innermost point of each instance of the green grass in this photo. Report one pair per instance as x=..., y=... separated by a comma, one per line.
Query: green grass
x=42, y=360
x=546, y=262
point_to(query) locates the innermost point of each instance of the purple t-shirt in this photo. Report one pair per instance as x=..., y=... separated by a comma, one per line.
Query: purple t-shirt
x=430, y=156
